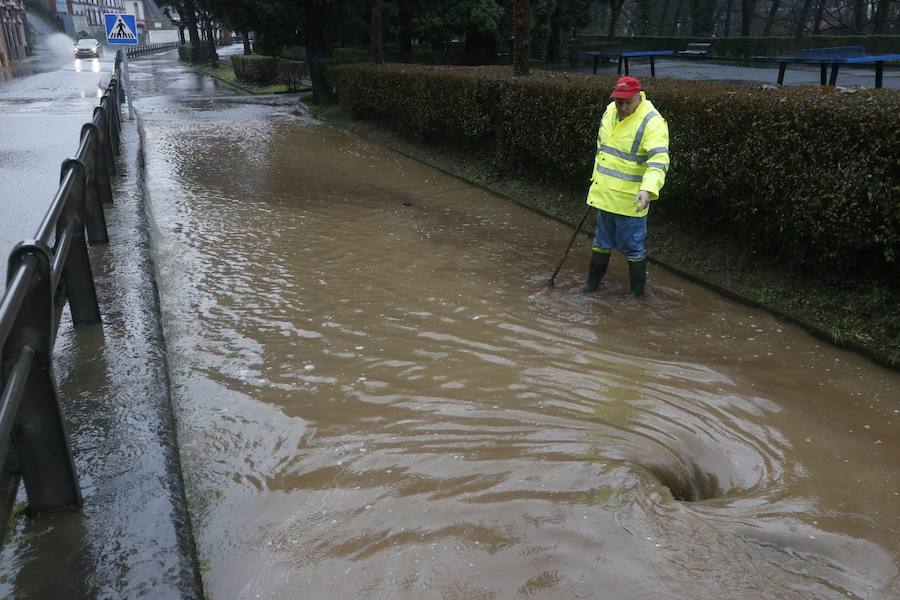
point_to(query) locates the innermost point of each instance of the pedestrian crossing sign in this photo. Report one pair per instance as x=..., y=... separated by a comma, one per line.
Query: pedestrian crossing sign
x=120, y=29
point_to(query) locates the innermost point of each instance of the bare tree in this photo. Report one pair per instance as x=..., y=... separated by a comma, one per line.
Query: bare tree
x=729, y=5
x=859, y=15
x=802, y=18
x=882, y=10
x=676, y=18
x=770, y=20
x=748, y=8
x=615, y=9
x=641, y=11
x=820, y=14
x=702, y=16
x=662, y=17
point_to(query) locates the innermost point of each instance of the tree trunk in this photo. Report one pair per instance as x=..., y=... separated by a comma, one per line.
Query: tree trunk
x=859, y=16
x=802, y=18
x=770, y=20
x=211, y=41
x=662, y=18
x=879, y=22
x=728, y=9
x=522, y=26
x=555, y=34
x=820, y=14
x=247, y=50
x=615, y=9
x=315, y=54
x=190, y=20
x=376, y=31
x=748, y=7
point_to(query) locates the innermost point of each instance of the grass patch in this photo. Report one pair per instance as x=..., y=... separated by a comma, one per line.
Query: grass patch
x=225, y=74
x=860, y=315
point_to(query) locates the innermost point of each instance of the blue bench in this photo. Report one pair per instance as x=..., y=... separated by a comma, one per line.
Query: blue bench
x=843, y=55
x=623, y=55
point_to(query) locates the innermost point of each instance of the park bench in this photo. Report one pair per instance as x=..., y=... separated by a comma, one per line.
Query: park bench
x=695, y=49
x=622, y=55
x=837, y=56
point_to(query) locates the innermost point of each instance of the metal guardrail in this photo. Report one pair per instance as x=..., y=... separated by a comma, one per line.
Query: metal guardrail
x=145, y=49
x=44, y=274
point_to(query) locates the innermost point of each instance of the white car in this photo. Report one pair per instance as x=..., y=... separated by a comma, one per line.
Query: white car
x=88, y=48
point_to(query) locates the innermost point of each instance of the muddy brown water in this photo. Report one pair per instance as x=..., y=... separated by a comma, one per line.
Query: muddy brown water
x=379, y=397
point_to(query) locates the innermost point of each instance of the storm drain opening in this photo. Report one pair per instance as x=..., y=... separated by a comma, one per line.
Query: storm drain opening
x=688, y=485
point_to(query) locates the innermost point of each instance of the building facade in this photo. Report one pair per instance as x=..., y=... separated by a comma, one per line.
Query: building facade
x=13, y=44
x=84, y=18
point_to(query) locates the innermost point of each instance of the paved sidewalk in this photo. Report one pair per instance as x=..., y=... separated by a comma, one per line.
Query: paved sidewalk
x=132, y=539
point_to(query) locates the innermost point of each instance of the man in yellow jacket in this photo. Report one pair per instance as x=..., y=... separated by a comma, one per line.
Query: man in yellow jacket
x=629, y=171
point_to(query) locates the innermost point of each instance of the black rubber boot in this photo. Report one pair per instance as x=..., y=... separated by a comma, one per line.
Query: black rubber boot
x=599, y=262
x=637, y=277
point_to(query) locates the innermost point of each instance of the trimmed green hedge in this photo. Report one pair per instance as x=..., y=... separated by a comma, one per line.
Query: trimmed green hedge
x=267, y=70
x=810, y=176
x=291, y=73
x=258, y=70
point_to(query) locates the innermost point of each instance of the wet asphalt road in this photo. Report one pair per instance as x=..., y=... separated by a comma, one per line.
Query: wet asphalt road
x=42, y=108
x=751, y=72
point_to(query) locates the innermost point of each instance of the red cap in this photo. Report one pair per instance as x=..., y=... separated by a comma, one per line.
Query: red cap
x=626, y=87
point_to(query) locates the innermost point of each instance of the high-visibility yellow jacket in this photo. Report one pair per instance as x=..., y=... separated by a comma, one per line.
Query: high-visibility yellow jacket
x=632, y=155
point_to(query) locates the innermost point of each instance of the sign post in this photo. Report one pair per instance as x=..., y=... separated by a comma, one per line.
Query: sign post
x=121, y=30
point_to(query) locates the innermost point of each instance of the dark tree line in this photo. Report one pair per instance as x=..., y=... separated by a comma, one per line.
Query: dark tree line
x=524, y=28
x=753, y=17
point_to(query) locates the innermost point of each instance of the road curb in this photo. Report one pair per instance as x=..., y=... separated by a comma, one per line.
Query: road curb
x=193, y=580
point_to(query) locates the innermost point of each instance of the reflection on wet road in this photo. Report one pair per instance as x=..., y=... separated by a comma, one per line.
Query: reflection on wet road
x=42, y=109
x=379, y=397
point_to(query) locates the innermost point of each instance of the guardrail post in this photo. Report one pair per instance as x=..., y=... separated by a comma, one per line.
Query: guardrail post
x=111, y=146
x=101, y=150
x=93, y=217
x=39, y=435
x=77, y=274
x=118, y=69
x=94, y=193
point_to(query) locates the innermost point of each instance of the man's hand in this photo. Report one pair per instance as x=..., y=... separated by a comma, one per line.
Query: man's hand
x=642, y=201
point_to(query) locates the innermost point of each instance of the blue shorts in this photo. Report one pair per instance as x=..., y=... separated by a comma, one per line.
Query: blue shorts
x=625, y=234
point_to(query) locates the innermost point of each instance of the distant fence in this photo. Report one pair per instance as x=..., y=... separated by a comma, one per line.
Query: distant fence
x=735, y=47
x=44, y=274
x=145, y=49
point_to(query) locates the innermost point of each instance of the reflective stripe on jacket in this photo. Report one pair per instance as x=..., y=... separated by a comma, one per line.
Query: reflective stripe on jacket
x=632, y=155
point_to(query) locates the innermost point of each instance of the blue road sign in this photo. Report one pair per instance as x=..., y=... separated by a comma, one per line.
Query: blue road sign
x=120, y=29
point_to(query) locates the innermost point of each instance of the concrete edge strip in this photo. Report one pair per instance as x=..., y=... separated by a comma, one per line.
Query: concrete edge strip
x=187, y=541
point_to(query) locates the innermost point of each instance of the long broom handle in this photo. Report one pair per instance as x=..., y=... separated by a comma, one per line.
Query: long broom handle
x=569, y=247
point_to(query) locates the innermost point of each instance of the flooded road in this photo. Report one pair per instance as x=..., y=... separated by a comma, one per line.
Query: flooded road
x=43, y=105
x=379, y=397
